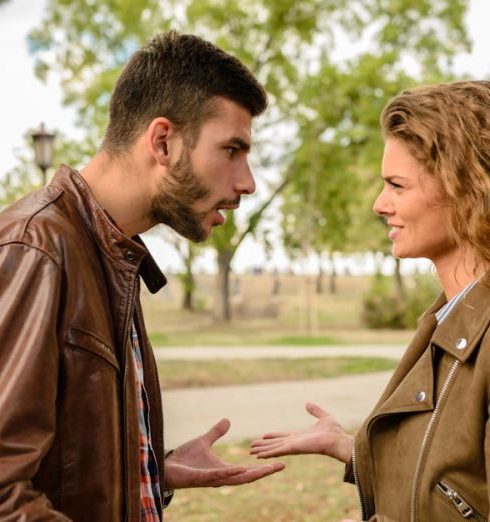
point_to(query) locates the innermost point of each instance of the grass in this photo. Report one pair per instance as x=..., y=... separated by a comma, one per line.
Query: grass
x=225, y=336
x=194, y=374
x=310, y=489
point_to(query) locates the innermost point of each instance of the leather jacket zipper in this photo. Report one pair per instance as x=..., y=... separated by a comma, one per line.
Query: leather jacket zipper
x=125, y=340
x=427, y=434
x=465, y=510
x=356, y=480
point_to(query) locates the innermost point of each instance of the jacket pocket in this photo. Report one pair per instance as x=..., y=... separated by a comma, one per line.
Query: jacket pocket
x=450, y=494
x=89, y=342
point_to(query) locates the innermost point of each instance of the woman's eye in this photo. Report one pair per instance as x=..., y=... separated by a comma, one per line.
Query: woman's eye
x=231, y=151
x=394, y=185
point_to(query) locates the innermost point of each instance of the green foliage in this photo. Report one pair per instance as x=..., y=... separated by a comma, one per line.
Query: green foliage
x=383, y=307
x=18, y=182
x=328, y=65
x=422, y=291
x=26, y=177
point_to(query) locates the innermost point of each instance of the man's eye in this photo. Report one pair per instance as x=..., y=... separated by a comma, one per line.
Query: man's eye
x=394, y=185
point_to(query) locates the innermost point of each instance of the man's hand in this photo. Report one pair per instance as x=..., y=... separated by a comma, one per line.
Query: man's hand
x=325, y=437
x=194, y=465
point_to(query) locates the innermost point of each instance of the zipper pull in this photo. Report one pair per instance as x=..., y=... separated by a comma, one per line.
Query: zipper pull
x=463, y=507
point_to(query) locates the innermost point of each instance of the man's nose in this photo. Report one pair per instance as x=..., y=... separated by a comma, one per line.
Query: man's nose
x=245, y=183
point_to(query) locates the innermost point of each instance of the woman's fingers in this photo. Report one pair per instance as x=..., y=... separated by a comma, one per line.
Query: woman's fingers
x=315, y=410
x=269, y=447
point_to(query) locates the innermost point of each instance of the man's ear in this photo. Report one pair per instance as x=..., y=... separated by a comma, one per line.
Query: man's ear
x=160, y=132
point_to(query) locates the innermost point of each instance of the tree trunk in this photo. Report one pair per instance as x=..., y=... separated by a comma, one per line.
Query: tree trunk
x=319, y=276
x=399, y=283
x=223, y=308
x=333, y=277
x=188, y=285
x=276, y=284
x=188, y=280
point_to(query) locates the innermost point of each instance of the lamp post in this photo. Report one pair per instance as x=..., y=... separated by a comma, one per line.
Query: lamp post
x=43, y=143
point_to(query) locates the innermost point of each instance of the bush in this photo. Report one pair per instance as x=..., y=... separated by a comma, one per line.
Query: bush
x=383, y=307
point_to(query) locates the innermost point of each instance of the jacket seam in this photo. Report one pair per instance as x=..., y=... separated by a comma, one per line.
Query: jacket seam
x=37, y=211
x=34, y=247
x=106, y=344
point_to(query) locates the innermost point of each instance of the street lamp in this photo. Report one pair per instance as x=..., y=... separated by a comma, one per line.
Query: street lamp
x=43, y=143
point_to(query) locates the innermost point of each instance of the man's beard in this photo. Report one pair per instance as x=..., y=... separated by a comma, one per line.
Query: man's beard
x=176, y=194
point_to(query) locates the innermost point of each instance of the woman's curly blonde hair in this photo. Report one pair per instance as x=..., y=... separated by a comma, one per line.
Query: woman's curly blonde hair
x=446, y=127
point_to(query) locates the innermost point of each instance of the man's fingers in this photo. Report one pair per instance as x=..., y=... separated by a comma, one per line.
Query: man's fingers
x=315, y=410
x=276, y=434
x=251, y=474
x=209, y=477
x=217, y=431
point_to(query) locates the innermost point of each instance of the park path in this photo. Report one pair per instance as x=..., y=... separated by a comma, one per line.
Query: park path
x=257, y=408
x=254, y=409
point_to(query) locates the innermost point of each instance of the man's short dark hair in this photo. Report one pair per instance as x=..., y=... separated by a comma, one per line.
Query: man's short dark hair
x=177, y=76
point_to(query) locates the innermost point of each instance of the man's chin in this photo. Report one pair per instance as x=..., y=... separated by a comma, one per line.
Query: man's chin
x=196, y=236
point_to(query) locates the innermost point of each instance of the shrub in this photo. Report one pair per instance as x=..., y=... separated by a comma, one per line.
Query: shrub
x=383, y=307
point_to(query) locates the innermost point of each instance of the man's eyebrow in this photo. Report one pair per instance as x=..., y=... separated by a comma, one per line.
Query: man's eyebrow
x=240, y=143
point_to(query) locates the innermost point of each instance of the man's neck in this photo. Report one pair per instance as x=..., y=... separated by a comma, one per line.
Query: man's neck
x=120, y=189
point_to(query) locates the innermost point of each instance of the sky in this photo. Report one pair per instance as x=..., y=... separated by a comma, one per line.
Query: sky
x=25, y=102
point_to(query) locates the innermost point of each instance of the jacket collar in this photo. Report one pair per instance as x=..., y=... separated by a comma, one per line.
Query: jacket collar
x=463, y=329
x=127, y=253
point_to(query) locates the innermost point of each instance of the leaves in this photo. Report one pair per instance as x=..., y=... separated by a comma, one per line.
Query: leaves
x=328, y=65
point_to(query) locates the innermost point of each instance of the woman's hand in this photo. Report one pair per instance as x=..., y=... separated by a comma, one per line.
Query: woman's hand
x=325, y=437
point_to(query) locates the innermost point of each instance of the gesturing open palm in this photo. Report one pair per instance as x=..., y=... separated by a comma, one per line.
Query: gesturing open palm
x=325, y=437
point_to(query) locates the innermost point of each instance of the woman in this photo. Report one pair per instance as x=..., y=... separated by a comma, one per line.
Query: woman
x=423, y=453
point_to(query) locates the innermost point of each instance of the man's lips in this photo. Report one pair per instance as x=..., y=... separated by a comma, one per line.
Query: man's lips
x=225, y=205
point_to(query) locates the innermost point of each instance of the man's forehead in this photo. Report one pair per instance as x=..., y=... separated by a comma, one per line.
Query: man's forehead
x=230, y=121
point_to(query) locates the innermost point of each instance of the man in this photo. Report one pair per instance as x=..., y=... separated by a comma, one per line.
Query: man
x=81, y=430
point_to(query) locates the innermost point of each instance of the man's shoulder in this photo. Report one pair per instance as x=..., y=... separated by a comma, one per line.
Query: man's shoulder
x=38, y=221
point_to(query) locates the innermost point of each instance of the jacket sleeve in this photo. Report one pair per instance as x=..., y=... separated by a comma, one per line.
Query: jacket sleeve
x=29, y=301
x=487, y=449
x=349, y=473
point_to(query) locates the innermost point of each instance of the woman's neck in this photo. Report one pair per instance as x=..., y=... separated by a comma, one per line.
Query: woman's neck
x=457, y=270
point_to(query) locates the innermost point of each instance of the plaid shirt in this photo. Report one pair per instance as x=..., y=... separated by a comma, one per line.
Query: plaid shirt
x=150, y=481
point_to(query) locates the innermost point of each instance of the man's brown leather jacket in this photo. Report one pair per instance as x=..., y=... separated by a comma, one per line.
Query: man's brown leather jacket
x=69, y=439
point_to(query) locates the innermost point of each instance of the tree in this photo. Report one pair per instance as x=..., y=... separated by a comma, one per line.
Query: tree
x=319, y=203
x=348, y=130
x=26, y=176
x=289, y=45
x=188, y=252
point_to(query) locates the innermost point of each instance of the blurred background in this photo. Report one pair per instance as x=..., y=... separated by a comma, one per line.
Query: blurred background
x=304, y=264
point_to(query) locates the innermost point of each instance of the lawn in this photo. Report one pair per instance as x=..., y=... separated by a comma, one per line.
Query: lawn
x=194, y=374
